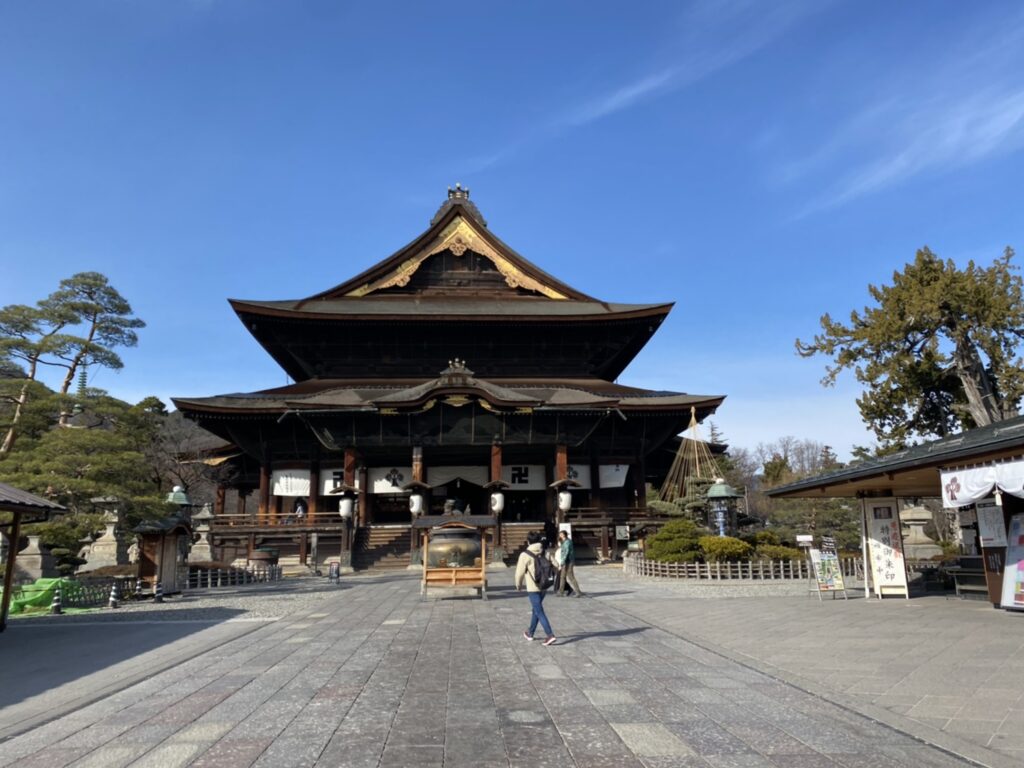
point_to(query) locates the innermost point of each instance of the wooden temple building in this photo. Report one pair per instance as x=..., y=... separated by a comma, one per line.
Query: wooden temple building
x=452, y=367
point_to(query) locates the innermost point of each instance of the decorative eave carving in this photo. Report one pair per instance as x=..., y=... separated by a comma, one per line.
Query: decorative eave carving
x=458, y=237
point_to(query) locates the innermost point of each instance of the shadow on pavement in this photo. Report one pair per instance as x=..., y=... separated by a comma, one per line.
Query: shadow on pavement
x=41, y=654
x=567, y=639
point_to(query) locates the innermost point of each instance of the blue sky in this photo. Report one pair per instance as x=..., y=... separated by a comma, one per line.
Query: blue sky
x=758, y=163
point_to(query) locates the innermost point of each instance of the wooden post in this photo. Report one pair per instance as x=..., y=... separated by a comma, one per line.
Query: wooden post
x=264, y=498
x=561, y=461
x=364, y=497
x=314, y=489
x=219, y=499
x=640, y=482
x=596, y=499
x=277, y=504
x=496, y=477
x=604, y=541
x=417, y=464
x=303, y=547
x=240, y=504
x=12, y=555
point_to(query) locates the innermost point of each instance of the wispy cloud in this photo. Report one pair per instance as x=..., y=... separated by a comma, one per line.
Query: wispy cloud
x=931, y=121
x=712, y=37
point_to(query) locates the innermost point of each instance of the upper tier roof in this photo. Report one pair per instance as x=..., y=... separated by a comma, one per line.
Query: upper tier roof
x=457, y=271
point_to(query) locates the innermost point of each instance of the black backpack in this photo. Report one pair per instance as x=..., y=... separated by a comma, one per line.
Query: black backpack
x=543, y=571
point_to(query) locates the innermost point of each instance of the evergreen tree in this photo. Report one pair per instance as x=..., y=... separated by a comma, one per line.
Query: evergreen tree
x=938, y=351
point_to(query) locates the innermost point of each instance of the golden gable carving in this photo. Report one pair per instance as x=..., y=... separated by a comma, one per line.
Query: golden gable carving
x=458, y=237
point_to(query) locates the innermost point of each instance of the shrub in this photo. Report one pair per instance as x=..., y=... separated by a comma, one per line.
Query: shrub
x=676, y=542
x=665, y=508
x=762, y=538
x=776, y=552
x=719, y=549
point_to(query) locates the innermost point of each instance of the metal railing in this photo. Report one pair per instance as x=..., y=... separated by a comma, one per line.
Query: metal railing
x=213, y=578
x=635, y=564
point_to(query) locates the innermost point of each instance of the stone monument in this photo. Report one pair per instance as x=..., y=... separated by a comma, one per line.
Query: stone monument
x=201, y=551
x=916, y=544
x=108, y=549
x=35, y=562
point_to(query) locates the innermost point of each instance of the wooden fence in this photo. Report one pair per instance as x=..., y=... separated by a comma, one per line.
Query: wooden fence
x=635, y=564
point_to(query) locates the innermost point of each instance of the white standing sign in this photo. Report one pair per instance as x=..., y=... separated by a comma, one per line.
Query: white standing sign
x=1013, y=572
x=885, y=544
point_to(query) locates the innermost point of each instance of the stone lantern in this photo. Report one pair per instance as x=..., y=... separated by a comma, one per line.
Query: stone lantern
x=721, y=503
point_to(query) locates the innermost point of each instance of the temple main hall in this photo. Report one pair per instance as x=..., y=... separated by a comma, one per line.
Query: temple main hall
x=449, y=369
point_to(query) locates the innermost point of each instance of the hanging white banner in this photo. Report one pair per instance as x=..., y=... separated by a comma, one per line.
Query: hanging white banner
x=581, y=474
x=289, y=482
x=612, y=475
x=885, y=544
x=961, y=487
x=388, y=479
x=442, y=475
x=524, y=477
x=334, y=477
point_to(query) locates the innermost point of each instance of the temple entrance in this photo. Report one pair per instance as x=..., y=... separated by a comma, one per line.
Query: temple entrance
x=461, y=496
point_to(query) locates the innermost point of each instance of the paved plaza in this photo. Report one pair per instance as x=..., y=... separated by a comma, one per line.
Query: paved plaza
x=645, y=674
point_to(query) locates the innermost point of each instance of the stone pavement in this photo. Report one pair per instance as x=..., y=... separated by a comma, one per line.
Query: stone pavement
x=372, y=675
x=948, y=671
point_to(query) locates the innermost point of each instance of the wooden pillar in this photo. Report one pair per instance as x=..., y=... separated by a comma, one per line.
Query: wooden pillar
x=264, y=499
x=276, y=506
x=417, y=464
x=549, y=496
x=12, y=555
x=218, y=500
x=303, y=547
x=240, y=504
x=561, y=461
x=349, y=478
x=495, y=478
x=604, y=542
x=596, y=497
x=640, y=485
x=314, y=489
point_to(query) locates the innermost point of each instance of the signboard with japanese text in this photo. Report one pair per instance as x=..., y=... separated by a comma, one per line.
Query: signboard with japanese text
x=388, y=479
x=885, y=546
x=991, y=523
x=826, y=566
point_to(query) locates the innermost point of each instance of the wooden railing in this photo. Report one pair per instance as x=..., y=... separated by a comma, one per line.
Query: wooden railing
x=249, y=519
x=635, y=564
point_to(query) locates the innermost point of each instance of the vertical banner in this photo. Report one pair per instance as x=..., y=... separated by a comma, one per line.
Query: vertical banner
x=1013, y=575
x=885, y=545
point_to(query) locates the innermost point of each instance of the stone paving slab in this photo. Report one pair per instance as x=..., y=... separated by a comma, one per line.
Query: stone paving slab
x=373, y=675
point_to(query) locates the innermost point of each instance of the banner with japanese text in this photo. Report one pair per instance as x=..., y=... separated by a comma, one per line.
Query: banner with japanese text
x=885, y=547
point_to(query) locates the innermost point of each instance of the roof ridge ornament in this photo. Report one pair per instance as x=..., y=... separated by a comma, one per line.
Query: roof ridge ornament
x=456, y=373
x=459, y=193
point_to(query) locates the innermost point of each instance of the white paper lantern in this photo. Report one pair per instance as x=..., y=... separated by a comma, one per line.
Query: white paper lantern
x=497, y=502
x=564, y=501
x=345, y=507
x=416, y=504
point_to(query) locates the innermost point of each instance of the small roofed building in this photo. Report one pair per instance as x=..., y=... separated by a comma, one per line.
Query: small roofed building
x=451, y=368
x=978, y=474
x=16, y=508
